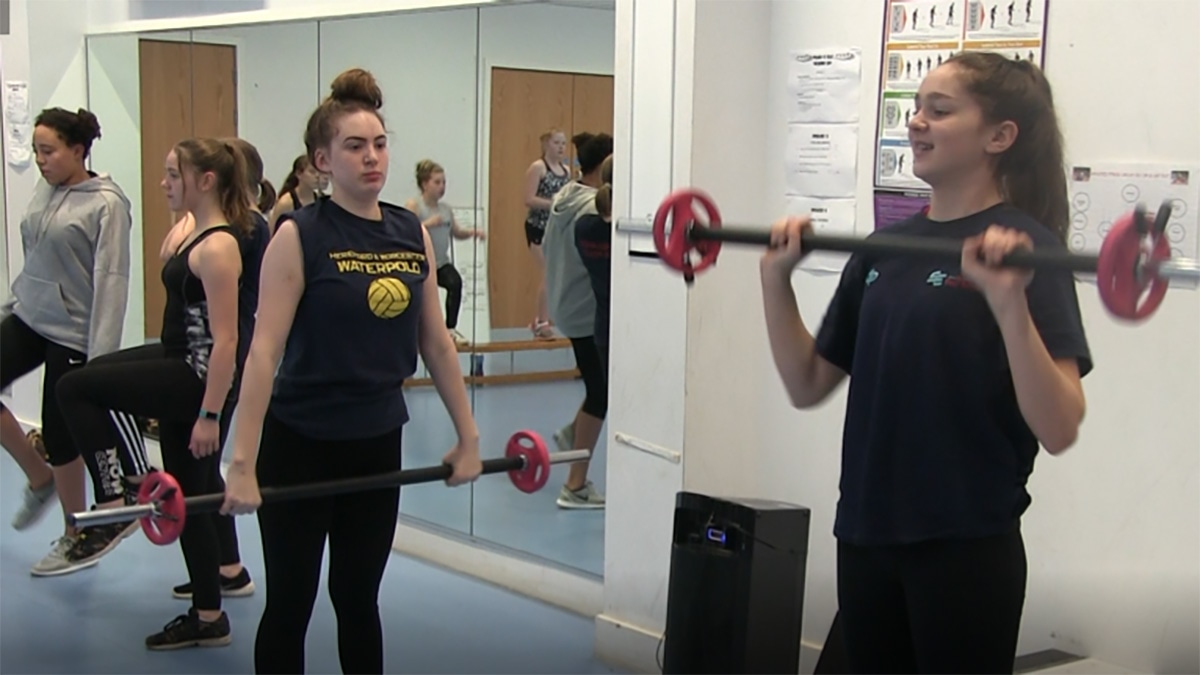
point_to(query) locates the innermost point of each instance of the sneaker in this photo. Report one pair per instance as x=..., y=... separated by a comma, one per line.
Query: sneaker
x=93, y=543
x=585, y=497
x=237, y=587
x=58, y=561
x=187, y=630
x=565, y=438
x=33, y=505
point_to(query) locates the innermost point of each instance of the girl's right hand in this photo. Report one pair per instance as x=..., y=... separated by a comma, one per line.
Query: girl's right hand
x=785, y=251
x=241, y=491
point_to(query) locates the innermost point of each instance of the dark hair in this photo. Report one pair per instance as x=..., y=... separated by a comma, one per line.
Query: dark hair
x=252, y=167
x=604, y=194
x=591, y=149
x=291, y=182
x=352, y=91
x=425, y=170
x=74, y=128
x=1031, y=173
x=205, y=155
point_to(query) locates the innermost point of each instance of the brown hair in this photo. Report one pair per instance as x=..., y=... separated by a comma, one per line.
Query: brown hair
x=292, y=182
x=73, y=128
x=206, y=155
x=604, y=194
x=258, y=185
x=425, y=170
x=1031, y=173
x=352, y=91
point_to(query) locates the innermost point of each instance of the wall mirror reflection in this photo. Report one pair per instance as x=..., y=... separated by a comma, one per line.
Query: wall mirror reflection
x=476, y=100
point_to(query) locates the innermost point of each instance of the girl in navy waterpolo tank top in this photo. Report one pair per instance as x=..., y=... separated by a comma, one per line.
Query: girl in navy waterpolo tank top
x=347, y=290
x=958, y=371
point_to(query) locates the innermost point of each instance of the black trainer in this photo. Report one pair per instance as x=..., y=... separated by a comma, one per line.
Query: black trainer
x=97, y=541
x=237, y=587
x=187, y=630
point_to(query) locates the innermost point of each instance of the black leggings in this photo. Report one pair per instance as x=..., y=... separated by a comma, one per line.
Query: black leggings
x=360, y=527
x=935, y=607
x=449, y=279
x=22, y=351
x=147, y=382
x=595, y=379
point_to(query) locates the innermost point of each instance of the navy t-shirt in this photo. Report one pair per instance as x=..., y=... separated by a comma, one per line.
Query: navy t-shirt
x=593, y=239
x=934, y=443
x=353, y=340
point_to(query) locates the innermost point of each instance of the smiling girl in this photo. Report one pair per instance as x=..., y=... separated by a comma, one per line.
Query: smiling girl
x=958, y=372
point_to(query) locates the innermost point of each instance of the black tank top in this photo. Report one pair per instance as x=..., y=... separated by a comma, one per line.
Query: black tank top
x=186, y=332
x=353, y=340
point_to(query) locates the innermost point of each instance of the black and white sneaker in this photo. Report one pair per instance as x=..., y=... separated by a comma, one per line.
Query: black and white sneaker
x=93, y=543
x=187, y=630
x=236, y=587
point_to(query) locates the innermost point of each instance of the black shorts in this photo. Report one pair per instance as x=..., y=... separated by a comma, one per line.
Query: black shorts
x=533, y=234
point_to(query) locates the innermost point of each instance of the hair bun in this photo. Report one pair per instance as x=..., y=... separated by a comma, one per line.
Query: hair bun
x=358, y=86
x=89, y=122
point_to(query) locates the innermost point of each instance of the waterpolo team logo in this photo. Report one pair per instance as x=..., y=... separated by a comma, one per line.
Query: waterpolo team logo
x=388, y=297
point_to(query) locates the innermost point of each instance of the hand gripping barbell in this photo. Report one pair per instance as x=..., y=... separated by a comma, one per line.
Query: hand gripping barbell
x=162, y=507
x=1134, y=261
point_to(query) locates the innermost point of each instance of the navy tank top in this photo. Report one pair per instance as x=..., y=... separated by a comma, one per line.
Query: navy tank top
x=186, y=330
x=353, y=340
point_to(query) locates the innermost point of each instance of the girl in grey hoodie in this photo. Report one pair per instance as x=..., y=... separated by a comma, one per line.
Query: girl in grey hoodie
x=66, y=306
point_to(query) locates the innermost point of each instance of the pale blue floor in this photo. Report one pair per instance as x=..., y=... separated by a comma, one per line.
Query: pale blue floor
x=94, y=621
x=492, y=508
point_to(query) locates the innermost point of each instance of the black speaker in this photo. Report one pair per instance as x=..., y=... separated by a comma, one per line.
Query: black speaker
x=735, y=598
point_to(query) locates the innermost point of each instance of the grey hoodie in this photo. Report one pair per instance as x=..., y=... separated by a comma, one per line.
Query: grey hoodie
x=74, y=285
x=569, y=297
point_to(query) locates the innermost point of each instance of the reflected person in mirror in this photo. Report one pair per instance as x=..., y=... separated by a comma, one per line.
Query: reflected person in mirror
x=438, y=220
x=543, y=179
x=572, y=307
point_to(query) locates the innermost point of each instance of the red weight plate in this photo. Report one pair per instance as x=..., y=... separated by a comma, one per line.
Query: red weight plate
x=532, y=448
x=1122, y=271
x=160, y=488
x=675, y=249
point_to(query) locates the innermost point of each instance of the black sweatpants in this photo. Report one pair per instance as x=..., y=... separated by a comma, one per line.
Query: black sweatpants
x=360, y=528
x=22, y=350
x=949, y=606
x=449, y=279
x=147, y=382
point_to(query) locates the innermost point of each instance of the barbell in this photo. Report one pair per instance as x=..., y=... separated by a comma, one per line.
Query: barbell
x=1132, y=270
x=162, y=507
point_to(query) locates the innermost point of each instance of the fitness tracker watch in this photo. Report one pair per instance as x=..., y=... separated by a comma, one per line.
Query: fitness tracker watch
x=206, y=415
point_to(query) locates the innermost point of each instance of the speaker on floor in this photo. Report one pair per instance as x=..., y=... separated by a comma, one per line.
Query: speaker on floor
x=735, y=600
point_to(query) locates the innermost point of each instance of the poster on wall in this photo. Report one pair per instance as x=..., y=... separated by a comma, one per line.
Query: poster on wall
x=918, y=36
x=1103, y=192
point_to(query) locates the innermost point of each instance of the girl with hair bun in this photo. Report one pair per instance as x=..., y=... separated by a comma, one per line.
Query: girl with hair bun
x=66, y=307
x=344, y=290
x=438, y=219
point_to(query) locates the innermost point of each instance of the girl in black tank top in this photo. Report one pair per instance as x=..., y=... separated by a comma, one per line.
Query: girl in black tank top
x=348, y=291
x=182, y=381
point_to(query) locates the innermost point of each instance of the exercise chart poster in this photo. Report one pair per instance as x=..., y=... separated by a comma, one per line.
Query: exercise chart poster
x=918, y=36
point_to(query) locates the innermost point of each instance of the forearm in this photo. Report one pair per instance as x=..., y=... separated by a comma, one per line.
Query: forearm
x=442, y=362
x=219, y=377
x=255, y=395
x=1051, y=403
x=538, y=203
x=793, y=347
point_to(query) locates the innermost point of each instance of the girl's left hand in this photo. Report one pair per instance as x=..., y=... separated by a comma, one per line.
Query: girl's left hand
x=981, y=263
x=464, y=460
x=205, y=434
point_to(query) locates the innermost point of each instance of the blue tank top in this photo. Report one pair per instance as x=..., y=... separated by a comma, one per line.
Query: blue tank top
x=353, y=340
x=252, y=247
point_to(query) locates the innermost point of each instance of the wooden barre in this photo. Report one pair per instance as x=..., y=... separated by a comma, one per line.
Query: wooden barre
x=505, y=378
x=514, y=346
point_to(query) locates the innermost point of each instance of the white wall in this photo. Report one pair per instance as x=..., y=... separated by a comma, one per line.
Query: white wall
x=1114, y=532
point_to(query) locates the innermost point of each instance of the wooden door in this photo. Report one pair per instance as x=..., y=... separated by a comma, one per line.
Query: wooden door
x=524, y=105
x=187, y=89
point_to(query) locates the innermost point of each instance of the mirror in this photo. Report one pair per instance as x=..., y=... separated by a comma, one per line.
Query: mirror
x=471, y=90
